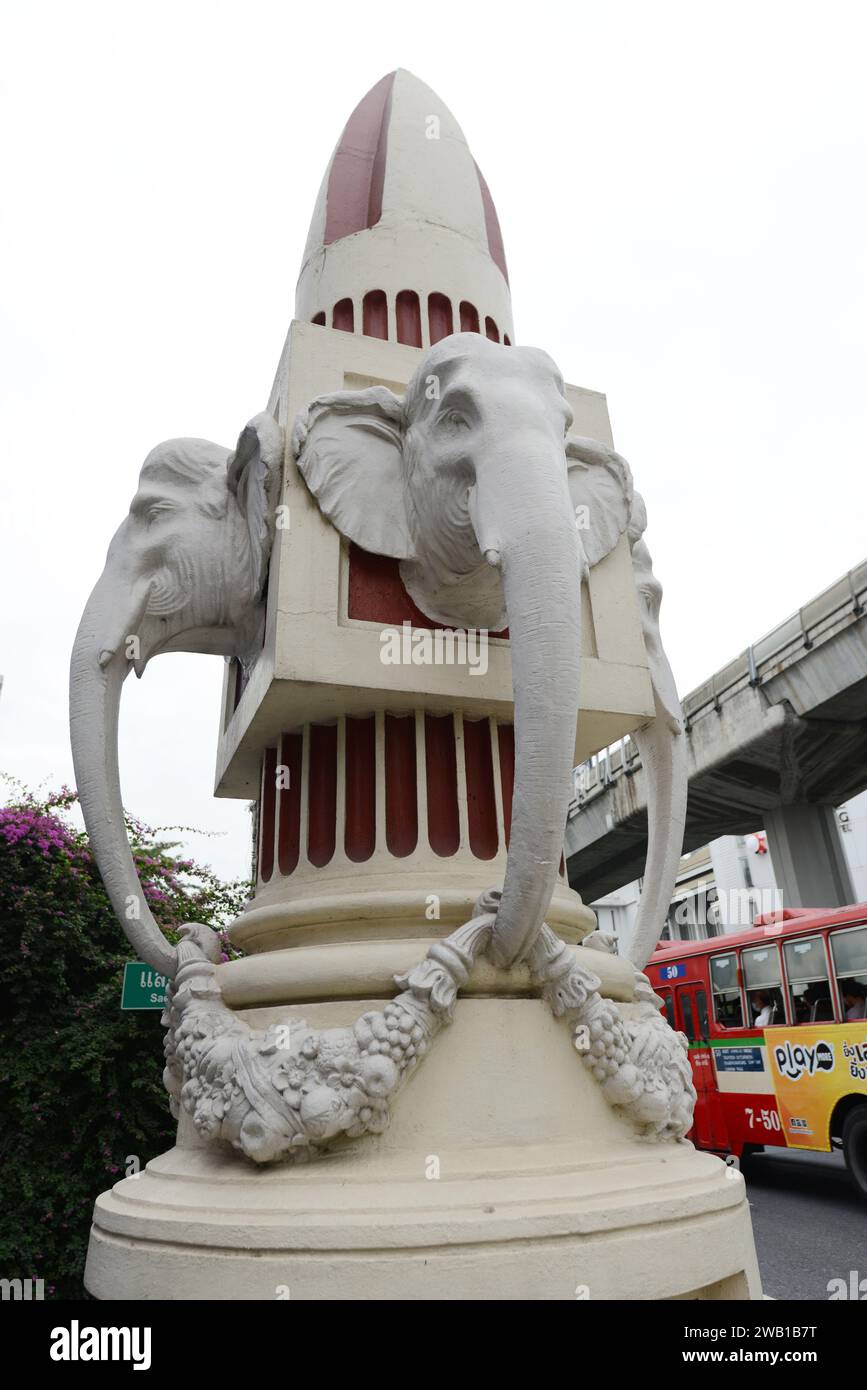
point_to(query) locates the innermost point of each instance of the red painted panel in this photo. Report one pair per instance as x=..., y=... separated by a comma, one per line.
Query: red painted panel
x=289, y=804
x=442, y=784
x=492, y=226
x=360, y=833
x=506, y=742
x=376, y=592
x=266, y=814
x=344, y=316
x=377, y=172
x=320, y=318
x=401, y=785
x=322, y=794
x=374, y=314
x=439, y=312
x=742, y=1116
x=491, y=330
x=481, y=806
x=377, y=595
x=408, y=313
x=469, y=318
x=354, y=195
x=507, y=342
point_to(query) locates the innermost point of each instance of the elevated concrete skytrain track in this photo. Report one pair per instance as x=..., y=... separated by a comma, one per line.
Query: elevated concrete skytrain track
x=777, y=738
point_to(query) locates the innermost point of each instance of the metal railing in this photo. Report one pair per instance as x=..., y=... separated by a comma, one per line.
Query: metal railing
x=838, y=605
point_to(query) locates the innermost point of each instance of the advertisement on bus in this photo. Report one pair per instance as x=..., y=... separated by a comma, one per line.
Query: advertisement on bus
x=812, y=1069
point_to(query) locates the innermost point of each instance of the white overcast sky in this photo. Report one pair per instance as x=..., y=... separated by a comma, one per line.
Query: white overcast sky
x=681, y=188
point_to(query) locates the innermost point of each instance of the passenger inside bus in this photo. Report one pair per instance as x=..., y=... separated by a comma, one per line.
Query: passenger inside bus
x=812, y=1003
x=767, y=1007
x=849, y=952
x=763, y=983
x=725, y=991
x=809, y=986
x=854, y=1000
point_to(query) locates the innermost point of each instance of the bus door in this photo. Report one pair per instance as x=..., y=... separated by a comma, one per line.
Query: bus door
x=709, y=1128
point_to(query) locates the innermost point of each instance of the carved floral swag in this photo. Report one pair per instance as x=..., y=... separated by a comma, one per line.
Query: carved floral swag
x=288, y=1090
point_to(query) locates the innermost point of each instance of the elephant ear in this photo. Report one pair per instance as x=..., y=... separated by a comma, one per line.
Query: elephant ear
x=349, y=449
x=600, y=485
x=253, y=477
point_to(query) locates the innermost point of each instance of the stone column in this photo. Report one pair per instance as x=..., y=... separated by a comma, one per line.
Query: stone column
x=808, y=856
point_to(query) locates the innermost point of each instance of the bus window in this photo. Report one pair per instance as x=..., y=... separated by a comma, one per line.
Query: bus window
x=763, y=984
x=701, y=1009
x=849, y=953
x=725, y=991
x=668, y=1006
x=809, y=989
x=686, y=1011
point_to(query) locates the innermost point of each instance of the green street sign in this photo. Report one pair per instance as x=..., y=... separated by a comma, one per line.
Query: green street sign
x=143, y=987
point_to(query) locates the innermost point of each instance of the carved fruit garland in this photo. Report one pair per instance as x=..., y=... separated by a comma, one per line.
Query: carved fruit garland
x=288, y=1090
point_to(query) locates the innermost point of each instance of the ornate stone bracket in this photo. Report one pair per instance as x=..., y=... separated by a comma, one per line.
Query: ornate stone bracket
x=287, y=1090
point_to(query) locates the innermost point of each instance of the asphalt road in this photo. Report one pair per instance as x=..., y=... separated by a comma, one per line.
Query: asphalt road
x=809, y=1224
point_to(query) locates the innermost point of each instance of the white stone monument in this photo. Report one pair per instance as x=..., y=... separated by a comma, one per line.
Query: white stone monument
x=424, y=564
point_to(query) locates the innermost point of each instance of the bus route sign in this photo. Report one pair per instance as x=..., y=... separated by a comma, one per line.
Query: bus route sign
x=143, y=987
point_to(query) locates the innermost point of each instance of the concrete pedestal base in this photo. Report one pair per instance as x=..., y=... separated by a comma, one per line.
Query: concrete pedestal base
x=504, y=1175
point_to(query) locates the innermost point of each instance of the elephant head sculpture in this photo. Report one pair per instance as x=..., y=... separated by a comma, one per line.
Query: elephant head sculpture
x=186, y=571
x=471, y=483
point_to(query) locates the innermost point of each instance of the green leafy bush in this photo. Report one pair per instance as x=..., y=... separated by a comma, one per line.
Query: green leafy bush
x=81, y=1092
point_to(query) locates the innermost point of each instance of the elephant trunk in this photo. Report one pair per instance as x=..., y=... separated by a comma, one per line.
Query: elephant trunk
x=662, y=750
x=97, y=674
x=533, y=529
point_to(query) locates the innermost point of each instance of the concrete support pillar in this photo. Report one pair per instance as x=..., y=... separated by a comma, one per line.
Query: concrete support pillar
x=808, y=856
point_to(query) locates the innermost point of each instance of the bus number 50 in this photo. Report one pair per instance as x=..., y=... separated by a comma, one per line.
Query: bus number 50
x=766, y=1119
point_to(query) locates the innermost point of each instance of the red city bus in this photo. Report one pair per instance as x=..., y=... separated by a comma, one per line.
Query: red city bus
x=775, y=1021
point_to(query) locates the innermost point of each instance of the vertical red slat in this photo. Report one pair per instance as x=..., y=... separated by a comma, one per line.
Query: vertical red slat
x=469, y=318
x=401, y=785
x=408, y=313
x=481, y=806
x=289, y=804
x=266, y=813
x=360, y=832
x=344, y=316
x=439, y=312
x=374, y=314
x=442, y=784
x=506, y=742
x=322, y=794
x=491, y=330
